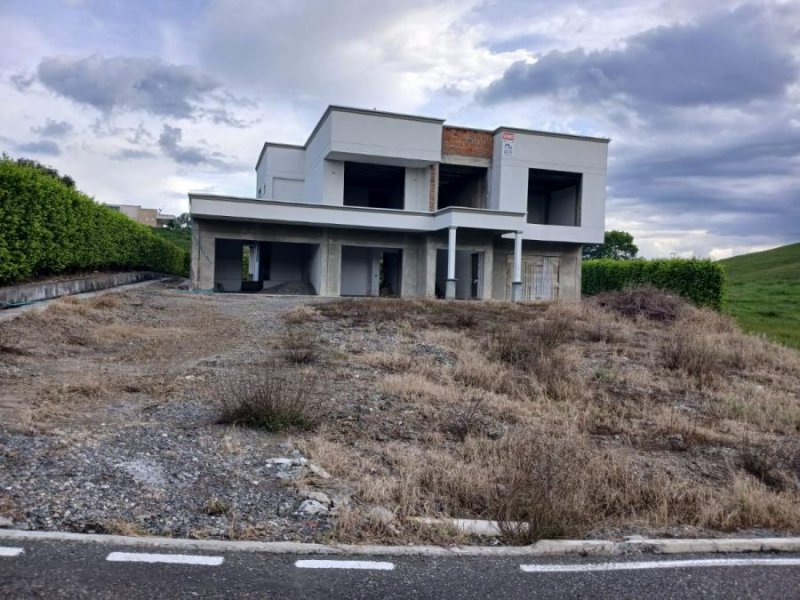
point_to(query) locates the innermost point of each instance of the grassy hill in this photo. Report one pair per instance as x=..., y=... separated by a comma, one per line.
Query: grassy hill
x=764, y=292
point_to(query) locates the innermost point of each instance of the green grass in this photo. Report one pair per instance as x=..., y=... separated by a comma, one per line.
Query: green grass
x=764, y=293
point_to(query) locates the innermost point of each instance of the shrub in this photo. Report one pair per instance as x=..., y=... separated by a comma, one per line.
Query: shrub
x=645, y=300
x=47, y=227
x=693, y=353
x=701, y=281
x=300, y=346
x=269, y=399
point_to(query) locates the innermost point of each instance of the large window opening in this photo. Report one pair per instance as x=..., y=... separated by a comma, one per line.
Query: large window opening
x=554, y=197
x=370, y=271
x=462, y=186
x=271, y=267
x=374, y=186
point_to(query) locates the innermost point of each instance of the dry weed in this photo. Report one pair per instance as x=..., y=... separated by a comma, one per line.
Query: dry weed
x=271, y=399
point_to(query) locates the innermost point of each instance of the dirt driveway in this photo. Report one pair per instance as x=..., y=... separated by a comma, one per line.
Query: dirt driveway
x=106, y=424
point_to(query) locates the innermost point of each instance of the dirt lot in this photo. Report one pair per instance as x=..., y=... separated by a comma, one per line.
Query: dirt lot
x=634, y=414
x=108, y=422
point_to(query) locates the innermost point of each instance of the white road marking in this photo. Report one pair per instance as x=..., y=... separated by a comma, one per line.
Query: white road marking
x=11, y=551
x=175, y=559
x=664, y=564
x=345, y=564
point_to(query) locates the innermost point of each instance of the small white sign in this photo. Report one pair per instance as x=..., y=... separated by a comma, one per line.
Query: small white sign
x=508, y=143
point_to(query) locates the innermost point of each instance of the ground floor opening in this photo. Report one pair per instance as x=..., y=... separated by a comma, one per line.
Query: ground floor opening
x=371, y=271
x=270, y=267
x=469, y=274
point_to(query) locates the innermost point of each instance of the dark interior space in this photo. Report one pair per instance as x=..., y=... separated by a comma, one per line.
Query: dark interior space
x=461, y=185
x=554, y=197
x=374, y=186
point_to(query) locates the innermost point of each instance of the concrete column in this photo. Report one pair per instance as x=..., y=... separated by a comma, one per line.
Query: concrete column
x=516, y=283
x=450, y=289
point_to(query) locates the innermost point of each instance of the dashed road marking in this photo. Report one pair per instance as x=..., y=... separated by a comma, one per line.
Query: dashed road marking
x=664, y=564
x=5, y=551
x=175, y=559
x=373, y=565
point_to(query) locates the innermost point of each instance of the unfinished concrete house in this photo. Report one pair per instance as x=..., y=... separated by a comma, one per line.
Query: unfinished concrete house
x=378, y=203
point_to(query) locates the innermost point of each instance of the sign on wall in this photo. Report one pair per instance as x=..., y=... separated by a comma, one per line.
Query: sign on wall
x=508, y=143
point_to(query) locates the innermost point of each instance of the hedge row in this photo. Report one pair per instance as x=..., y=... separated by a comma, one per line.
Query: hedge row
x=701, y=281
x=47, y=228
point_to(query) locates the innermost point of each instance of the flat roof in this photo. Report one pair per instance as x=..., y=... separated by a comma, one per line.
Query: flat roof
x=395, y=115
x=276, y=145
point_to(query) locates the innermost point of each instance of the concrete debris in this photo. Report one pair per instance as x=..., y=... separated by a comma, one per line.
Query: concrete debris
x=312, y=508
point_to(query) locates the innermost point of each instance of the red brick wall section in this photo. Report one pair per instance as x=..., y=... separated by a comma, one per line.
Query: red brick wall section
x=467, y=142
x=433, y=191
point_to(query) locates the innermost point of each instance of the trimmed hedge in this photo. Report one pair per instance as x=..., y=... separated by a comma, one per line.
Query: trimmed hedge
x=701, y=281
x=47, y=227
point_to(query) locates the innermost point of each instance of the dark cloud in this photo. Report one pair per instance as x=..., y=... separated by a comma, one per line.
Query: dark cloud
x=53, y=129
x=132, y=154
x=170, y=143
x=725, y=59
x=46, y=147
x=145, y=84
x=21, y=81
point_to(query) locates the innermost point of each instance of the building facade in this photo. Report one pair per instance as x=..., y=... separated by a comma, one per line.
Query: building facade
x=378, y=203
x=151, y=217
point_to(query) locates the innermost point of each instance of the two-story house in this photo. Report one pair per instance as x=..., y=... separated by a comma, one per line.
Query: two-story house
x=378, y=203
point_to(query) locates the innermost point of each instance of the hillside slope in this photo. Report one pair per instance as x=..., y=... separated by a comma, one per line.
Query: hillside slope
x=764, y=293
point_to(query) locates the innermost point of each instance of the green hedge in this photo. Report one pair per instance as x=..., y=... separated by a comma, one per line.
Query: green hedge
x=47, y=227
x=701, y=281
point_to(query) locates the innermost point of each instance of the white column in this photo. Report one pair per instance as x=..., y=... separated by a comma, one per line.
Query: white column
x=516, y=283
x=450, y=289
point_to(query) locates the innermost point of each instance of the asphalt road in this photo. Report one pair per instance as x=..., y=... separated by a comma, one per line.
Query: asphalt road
x=66, y=569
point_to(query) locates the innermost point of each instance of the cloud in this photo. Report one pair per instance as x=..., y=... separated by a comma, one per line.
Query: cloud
x=132, y=154
x=53, y=129
x=170, y=143
x=127, y=83
x=723, y=58
x=393, y=54
x=46, y=147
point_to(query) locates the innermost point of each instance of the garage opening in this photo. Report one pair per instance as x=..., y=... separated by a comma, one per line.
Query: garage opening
x=554, y=197
x=462, y=186
x=369, y=271
x=374, y=186
x=271, y=267
x=469, y=274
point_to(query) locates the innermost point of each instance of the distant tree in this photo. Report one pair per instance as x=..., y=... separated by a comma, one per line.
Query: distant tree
x=183, y=221
x=617, y=245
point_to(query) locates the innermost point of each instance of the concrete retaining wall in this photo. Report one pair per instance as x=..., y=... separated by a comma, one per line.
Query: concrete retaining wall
x=44, y=290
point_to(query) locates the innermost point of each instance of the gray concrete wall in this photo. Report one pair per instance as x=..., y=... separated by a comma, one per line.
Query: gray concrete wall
x=324, y=264
x=45, y=290
x=228, y=265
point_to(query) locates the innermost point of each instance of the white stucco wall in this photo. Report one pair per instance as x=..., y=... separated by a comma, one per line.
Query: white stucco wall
x=417, y=189
x=509, y=181
x=379, y=136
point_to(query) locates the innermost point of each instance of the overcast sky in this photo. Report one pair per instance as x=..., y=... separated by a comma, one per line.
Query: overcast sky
x=143, y=101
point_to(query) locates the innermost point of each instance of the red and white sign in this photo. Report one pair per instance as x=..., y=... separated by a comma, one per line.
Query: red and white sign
x=508, y=143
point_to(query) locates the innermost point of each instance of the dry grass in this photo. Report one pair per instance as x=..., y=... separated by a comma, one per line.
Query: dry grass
x=270, y=398
x=300, y=315
x=300, y=346
x=123, y=527
x=625, y=413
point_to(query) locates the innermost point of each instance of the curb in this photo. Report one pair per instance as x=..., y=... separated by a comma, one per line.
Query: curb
x=540, y=548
